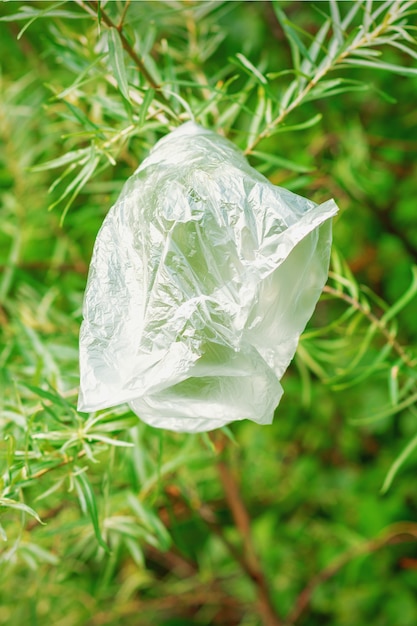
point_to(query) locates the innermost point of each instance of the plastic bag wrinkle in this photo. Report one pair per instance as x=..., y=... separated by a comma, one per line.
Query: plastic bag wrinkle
x=203, y=277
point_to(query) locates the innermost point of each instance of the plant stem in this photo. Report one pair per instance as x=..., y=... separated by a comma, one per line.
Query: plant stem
x=92, y=7
x=330, y=65
x=66, y=461
x=250, y=560
x=398, y=533
x=123, y=15
x=126, y=45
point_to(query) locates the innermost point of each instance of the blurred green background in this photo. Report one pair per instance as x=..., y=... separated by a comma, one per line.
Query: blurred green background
x=145, y=533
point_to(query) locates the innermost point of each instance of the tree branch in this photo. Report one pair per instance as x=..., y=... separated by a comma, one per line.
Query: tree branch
x=398, y=533
x=249, y=560
x=66, y=461
x=126, y=45
x=92, y=7
x=331, y=64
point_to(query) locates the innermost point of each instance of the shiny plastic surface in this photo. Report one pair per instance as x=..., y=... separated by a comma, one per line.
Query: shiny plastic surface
x=203, y=277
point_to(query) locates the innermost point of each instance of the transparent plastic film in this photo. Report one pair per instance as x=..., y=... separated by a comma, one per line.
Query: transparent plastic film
x=202, y=279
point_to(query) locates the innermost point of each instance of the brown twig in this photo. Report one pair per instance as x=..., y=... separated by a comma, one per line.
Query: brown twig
x=66, y=461
x=92, y=7
x=123, y=15
x=249, y=559
x=398, y=533
x=93, y=4
x=208, y=516
x=48, y=515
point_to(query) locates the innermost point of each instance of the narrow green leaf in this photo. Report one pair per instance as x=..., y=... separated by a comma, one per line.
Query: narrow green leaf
x=83, y=78
x=310, y=362
x=69, y=157
x=181, y=100
x=85, y=122
x=328, y=88
x=31, y=14
x=351, y=14
x=315, y=48
x=20, y=506
x=367, y=16
x=405, y=298
x=40, y=553
x=281, y=162
x=150, y=521
x=273, y=75
x=99, y=16
x=229, y=115
x=55, y=487
x=360, y=373
x=404, y=34
x=89, y=506
x=109, y=440
x=366, y=53
x=252, y=69
x=387, y=412
x=381, y=7
x=336, y=21
x=290, y=30
x=288, y=95
x=11, y=448
x=135, y=552
x=71, y=167
x=77, y=184
x=381, y=65
x=393, y=385
x=398, y=463
x=257, y=117
x=116, y=58
x=3, y=533
x=55, y=398
x=147, y=101
x=406, y=49
x=301, y=126
x=113, y=424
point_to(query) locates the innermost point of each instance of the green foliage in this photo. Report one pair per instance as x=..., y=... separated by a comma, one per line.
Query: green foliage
x=104, y=520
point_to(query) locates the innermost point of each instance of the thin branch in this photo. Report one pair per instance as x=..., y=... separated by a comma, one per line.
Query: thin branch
x=86, y=8
x=391, y=340
x=398, y=533
x=126, y=45
x=250, y=560
x=66, y=461
x=123, y=15
x=48, y=515
x=92, y=7
x=364, y=41
x=156, y=112
x=209, y=518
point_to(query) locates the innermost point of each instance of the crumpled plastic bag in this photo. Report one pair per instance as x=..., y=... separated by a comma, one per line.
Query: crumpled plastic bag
x=203, y=277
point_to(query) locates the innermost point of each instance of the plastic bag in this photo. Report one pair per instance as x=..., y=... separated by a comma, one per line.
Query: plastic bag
x=203, y=277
